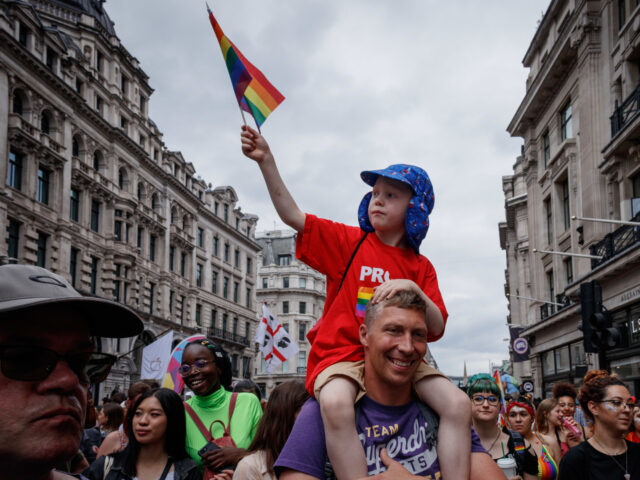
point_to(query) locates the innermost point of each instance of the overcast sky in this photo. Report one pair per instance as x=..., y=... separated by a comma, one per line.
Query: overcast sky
x=367, y=83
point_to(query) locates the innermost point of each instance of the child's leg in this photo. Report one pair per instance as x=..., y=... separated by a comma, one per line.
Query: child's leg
x=454, y=435
x=345, y=451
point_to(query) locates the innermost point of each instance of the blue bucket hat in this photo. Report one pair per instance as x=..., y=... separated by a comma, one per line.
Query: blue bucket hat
x=420, y=205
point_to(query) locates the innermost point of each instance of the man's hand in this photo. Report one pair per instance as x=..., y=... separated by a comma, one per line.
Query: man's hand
x=395, y=470
x=254, y=146
x=222, y=457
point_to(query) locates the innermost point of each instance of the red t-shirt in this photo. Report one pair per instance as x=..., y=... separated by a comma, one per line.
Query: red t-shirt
x=327, y=246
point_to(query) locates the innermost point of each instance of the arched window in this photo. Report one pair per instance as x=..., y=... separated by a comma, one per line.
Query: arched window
x=45, y=122
x=174, y=215
x=185, y=222
x=97, y=160
x=75, y=147
x=154, y=202
x=17, y=102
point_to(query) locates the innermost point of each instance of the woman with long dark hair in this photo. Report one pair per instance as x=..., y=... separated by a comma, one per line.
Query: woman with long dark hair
x=280, y=414
x=156, y=443
x=606, y=400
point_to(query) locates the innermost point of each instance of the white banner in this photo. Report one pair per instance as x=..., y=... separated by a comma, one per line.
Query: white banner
x=274, y=342
x=155, y=358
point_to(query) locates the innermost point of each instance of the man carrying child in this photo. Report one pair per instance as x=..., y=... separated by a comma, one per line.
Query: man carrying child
x=369, y=264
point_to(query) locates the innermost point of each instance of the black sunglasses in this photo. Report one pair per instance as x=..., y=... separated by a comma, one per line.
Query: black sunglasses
x=32, y=364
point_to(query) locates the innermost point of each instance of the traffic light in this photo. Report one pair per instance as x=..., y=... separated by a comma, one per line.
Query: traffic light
x=590, y=302
x=597, y=328
x=603, y=334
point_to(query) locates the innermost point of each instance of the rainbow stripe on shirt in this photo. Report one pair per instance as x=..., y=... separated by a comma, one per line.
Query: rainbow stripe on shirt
x=364, y=296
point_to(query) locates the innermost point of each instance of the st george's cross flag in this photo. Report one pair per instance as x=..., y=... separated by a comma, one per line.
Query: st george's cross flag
x=274, y=341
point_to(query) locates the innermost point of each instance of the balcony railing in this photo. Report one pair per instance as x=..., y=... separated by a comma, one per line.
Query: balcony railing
x=547, y=310
x=563, y=300
x=615, y=243
x=219, y=334
x=625, y=113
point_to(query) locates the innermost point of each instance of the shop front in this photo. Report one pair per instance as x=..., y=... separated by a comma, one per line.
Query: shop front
x=565, y=363
x=625, y=360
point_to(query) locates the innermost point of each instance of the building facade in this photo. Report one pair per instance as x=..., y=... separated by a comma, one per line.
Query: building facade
x=91, y=191
x=295, y=294
x=580, y=125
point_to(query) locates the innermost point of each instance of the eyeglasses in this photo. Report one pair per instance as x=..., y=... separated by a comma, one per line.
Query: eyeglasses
x=618, y=404
x=32, y=364
x=479, y=400
x=185, y=368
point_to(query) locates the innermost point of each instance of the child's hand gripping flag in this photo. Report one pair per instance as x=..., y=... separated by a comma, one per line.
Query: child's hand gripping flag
x=253, y=91
x=274, y=342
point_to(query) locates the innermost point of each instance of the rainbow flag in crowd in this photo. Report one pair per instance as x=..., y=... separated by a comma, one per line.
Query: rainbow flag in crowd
x=502, y=416
x=254, y=93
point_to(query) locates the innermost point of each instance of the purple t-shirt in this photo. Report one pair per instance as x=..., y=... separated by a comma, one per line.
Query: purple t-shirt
x=402, y=430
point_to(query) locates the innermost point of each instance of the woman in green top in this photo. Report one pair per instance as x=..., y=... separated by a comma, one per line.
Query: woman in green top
x=206, y=370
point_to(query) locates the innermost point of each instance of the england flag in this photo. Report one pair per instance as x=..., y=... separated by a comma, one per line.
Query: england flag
x=274, y=341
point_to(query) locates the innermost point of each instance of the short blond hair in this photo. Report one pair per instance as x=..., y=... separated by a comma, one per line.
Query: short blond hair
x=403, y=299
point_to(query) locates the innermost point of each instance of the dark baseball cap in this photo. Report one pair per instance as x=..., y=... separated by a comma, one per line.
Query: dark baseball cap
x=28, y=286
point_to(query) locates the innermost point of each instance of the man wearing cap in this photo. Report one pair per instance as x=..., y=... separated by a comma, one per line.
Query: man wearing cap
x=47, y=362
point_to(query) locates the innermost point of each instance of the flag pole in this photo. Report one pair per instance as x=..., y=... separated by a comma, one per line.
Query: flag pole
x=244, y=120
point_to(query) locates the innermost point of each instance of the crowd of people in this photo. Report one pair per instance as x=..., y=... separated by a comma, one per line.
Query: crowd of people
x=564, y=436
x=47, y=365
x=370, y=406
x=590, y=433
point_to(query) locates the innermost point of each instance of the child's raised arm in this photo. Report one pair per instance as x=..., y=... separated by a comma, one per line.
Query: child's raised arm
x=255, y=147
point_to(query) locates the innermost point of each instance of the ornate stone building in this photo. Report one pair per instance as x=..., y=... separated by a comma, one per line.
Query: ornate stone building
x=91, y=191
x=581, y=129
x=295, y=294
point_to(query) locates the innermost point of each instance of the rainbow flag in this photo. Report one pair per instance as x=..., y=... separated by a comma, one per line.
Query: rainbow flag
x=502, y=416
x=254, y=93
x=364, y=296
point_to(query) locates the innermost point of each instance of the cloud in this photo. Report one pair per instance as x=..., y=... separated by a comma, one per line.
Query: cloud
x=367, y=83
